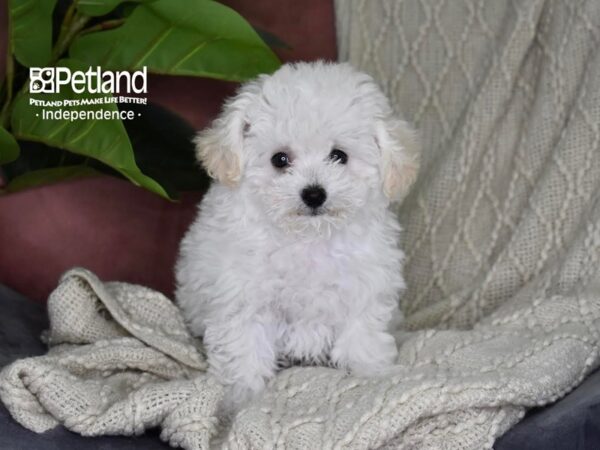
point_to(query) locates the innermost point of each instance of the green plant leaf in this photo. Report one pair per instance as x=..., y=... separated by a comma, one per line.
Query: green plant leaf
x=180, y=37
x=9, y=149
x=48, y=176
x=104, y=140
x=101, y=7
x=31, y=31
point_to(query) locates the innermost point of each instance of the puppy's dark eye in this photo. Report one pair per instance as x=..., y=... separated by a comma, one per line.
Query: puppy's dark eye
x=338, y=156
x=280, y=160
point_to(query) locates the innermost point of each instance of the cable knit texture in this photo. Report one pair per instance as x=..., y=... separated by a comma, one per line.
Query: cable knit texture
x=121, y=360
x=502, y=235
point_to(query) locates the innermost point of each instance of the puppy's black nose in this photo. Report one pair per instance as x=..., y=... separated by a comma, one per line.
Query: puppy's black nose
x=313, y=196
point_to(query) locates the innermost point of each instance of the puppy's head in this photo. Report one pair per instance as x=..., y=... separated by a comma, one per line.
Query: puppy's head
x=316, y=145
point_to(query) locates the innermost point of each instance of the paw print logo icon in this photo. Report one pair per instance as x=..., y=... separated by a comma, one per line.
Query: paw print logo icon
x=41, y=80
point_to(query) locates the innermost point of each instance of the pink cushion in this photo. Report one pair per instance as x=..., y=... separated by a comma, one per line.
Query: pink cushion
x=105, y=224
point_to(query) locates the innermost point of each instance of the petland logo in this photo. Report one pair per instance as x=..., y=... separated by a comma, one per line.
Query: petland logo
x=50, y=80
x=99, y=88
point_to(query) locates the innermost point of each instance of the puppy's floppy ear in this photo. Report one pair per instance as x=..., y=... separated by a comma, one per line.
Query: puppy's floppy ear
x=400, y=151
x=220, y=147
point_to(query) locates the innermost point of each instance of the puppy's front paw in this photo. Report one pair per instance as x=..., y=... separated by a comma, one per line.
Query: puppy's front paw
x=365, y=354
x=242, y=358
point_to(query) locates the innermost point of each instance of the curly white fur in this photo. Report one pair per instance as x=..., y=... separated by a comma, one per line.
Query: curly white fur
x=259, y=276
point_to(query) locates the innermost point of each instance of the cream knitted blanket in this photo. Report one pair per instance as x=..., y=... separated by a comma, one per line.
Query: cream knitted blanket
x=502, y=234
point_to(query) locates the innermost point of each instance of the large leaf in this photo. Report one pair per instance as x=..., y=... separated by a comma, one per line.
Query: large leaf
x=182, y=37
x=101, y=7
x=9, y=149
x=48, y=176
x=104, y=140
x=31, y=31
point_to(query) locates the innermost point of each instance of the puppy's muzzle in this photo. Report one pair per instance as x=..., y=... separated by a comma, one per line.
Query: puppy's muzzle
x=313, y=196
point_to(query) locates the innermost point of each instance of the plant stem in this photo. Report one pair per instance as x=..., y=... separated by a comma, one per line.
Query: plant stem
x=67, y=34
x=106, y=25
x=64, y=27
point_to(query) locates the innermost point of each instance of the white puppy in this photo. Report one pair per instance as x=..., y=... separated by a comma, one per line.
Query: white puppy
x=294, y=253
